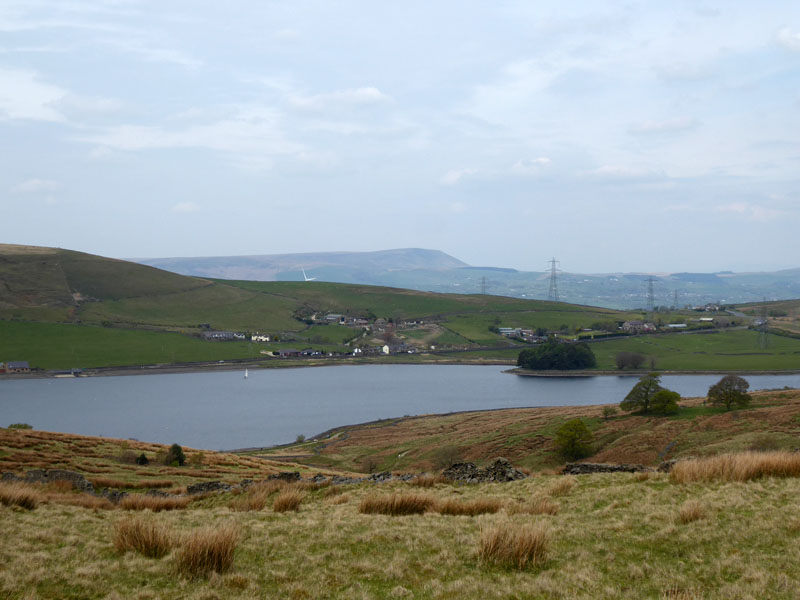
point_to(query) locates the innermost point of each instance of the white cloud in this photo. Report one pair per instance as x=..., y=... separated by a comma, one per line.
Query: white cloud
x=789, y=39
x=750, y=211
x=35, y=186
x=73, y=103
x=185, y=207
x=453, y=177
x=355, y=97
x=665, y=126
x=530, y=166
x=24, y=97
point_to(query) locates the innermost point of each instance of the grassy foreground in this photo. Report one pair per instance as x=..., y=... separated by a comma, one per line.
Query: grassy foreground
x=612, y=536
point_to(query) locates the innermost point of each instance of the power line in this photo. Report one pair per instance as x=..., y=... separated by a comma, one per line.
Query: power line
x=552, y=293
x=483, y=285
x=651, y=297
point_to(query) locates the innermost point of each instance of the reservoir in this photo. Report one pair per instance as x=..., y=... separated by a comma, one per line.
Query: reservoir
x=223, y=410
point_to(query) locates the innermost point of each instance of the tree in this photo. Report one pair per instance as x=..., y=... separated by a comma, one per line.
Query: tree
x=730, y=390
x=557, y=355
x=665, y=402
x=142, y=460
x=608, y=412
x=573, y=439
x=175, y=455
x=633, y=360
x=641, y=396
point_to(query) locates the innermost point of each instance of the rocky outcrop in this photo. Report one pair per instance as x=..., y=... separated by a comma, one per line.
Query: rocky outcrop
x=587, y=468
x=499, y=471
x=78, y=481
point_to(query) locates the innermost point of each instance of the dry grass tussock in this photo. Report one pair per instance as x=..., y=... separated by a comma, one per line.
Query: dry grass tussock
x=288, y=499
x=19, y=494
x=207, y=551
x=154, y=503
x=338, y=499
x=563, y=486
x=256, y=497
x=480, y=506
x=537, y=506
x=427, y=481
x=143, y=536
x=83, y=500
x=744, y=466
x=408, y=503
x=691, y=510
x=514, y=546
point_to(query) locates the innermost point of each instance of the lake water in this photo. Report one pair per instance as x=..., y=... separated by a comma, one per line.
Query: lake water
x=225, y=411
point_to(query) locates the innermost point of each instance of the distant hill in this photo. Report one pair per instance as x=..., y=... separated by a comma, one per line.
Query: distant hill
x=435, y=271
x=344, y=267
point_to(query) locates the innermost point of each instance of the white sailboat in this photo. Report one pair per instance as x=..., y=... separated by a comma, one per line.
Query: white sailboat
x=245, y=373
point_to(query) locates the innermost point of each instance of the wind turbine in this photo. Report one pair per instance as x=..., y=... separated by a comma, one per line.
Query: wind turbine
x=306, y=277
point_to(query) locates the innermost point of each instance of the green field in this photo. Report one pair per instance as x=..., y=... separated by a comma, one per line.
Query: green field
x=726, y=350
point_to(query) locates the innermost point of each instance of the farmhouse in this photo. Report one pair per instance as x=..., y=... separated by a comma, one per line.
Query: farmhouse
x=218, y=336
x=20, y=366
x=259, y=337
x=287, y=352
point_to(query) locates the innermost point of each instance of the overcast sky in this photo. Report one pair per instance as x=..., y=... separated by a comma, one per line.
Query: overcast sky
x=615, y=136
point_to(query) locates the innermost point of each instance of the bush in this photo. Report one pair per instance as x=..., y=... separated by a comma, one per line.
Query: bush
x=513, y=546
x=207, y=551
x=608, y=412
x=175, y=456
x=142, y=460
x=665, y=402
x=558, y=356
x=573, y=439
x=19, y=426
x=143, y=536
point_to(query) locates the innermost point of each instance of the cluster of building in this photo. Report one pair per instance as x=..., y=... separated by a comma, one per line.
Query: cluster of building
x=528, y=335
x=15, y=366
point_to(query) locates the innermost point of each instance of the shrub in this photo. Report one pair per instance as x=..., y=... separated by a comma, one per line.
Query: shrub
x=19, y=494
x=665, y=402
x=691, y=511
x=175, y=456
x=514, y=546
x=142, y=460
x=608, y=412
x=20, y=426
x=573, y=439
x=288, y=499
x=744, y=466
x=143, y=536
x=412, y=503
x=154, y=503
x=471, y=508
x=207, y=551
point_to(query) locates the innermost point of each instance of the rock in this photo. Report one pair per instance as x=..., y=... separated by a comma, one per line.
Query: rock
x=207, y=486
x=380, y=477
x=587, y=468
x=499, y=471
x=287, y=476
x=78, y=481
x=113, y=495
x=157, y=493
x=666, y=466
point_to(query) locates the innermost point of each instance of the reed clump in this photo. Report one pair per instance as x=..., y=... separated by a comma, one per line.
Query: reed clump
x=21, y=495
x=408, y=503
x=480, y=506
x=143, y=536
x=288, y=499
x=743, y=466
x=154, y=503
x=562, y=486
x=691, y=510
x=514, y=546
x=538, y=506
x=206, y=551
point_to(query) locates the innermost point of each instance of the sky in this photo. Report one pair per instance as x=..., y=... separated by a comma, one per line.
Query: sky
x=614, y=136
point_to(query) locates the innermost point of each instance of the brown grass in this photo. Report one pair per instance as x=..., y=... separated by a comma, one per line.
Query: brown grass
x=538, y=506
x=562, y=486
x=691, y=510
x=207, y=551
x=339, y=499
x=288, y=499
x=83, y=500
x=19, y=494
x=256, y=497
x=107, y=482
x=427, y=481
x=143, y=536
x=514, y=546
x=744, y=466
x=154, y=503
x=471, y=508
x=409, y=503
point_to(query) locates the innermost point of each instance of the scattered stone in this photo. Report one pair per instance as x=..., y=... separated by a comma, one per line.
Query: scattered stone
x=499, y=471
x=587, y=468
x=287, y=476
x=207, y=486
x=113, y=495
x=157, y=493
x=78, y=481
x=666, y=466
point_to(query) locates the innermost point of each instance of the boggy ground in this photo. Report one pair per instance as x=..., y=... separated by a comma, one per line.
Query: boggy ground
x=612, y=536
x=525, y=436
